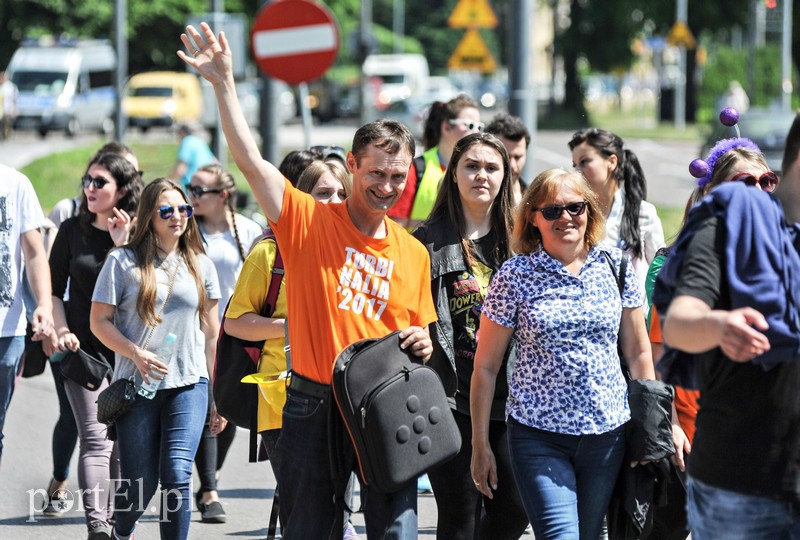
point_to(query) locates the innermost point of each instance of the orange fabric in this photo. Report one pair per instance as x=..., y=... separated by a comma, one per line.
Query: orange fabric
x=655, y=327
x=343, y=286
x=687, y=405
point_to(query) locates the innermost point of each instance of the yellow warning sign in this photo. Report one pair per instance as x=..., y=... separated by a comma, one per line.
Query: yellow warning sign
x=472, y=14
x=681, y=36
x=471, y=54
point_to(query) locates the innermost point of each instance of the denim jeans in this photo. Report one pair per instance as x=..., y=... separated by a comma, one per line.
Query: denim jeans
x=10, y=351
x=716, y=513
x=463, y=513
x=565, y=481
x=157, y=441
x=307, y=508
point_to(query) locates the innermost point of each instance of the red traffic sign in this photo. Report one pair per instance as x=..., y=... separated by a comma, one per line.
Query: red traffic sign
x=294, y=41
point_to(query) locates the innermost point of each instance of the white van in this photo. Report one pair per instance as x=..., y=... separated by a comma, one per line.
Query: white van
x=393, y=77
x=64, y=85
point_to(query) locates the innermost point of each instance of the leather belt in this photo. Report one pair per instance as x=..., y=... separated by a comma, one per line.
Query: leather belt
x=306, y=386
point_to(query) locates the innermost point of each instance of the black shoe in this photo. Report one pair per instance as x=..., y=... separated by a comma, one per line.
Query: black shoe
x=212, y=512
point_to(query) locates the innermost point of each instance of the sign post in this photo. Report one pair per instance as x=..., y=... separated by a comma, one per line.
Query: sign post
x=295, y=41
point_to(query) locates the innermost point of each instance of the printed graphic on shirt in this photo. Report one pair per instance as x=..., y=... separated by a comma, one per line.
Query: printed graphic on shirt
x=6, y=293
x=466, y=295
x=364, y=283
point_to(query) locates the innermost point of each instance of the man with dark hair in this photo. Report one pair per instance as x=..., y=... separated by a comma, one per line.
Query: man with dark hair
x=734, y=307
x=515, y=137
x=357, y=275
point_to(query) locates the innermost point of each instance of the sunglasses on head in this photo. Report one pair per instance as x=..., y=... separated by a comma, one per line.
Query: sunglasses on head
x=199, y=191
x=166, y=212
x=472, y=126
x=98, y=181
x=768, y=181
x=330, y=152
x=552, y=213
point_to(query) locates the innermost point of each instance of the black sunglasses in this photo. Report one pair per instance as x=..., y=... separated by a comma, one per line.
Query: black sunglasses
x=199, y=191
x=552, y=213
x=166, y=212
x=768, y=181
x=98, y=181
x=330, y=152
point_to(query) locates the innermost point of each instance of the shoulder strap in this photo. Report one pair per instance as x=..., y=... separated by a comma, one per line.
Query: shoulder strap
x=277, y=278
x=623, y=269
x=419, y=165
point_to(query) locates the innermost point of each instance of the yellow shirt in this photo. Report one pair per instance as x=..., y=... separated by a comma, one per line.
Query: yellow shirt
x=249, y=297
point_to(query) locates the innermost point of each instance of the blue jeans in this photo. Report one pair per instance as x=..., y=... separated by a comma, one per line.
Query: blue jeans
x=565, y=481
x=157, y=440
x=306, y=488
x=716, y=513
x=10, y=351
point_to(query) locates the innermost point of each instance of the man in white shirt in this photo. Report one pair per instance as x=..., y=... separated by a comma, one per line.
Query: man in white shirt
x=20, y=219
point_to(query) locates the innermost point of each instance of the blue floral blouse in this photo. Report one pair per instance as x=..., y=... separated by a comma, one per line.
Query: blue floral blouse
x=567, y=377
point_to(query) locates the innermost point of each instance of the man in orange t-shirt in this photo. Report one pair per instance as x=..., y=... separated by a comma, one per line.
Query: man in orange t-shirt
x=352, y=273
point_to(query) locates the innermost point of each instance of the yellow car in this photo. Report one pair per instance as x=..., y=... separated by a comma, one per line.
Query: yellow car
x=162, y=98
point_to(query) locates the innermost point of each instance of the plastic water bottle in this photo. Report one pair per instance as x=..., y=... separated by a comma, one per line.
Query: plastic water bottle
x=164, y=353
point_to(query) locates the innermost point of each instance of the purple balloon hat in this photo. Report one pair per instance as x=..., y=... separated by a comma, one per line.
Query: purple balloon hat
x=703, y=170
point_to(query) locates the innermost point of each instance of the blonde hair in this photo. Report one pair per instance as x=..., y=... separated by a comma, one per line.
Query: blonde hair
x=224, y=180
x=544, y=187
x=311, y=175
x=729, y=160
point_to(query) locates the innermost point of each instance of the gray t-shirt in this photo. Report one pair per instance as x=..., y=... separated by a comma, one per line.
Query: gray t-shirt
x=118, y=285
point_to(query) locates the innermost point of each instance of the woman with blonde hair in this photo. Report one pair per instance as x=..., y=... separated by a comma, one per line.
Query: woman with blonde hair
x=160, y=283
x=559, y=298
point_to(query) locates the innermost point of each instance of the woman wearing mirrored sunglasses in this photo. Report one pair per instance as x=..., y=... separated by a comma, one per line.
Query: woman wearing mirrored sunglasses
x=227, y=236
x=161, y=281
x=567, y=401
x=614, y=172
x=111, y=189
x=468, y=236
x=738, y=160
x=446, y=124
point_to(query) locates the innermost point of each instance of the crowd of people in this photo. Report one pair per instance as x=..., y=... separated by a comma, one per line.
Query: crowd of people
x=540, y=304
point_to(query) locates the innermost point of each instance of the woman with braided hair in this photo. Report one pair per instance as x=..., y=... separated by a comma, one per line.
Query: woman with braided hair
x=227, y=237
x=615, y=174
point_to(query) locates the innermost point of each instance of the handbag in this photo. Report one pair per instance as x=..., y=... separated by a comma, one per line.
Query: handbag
x=237, y=358
x=395, y=411
x=33, y=357
x=115, y=400
x=84, y=369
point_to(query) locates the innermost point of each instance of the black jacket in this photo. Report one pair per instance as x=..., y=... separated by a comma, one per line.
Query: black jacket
x=441, y=239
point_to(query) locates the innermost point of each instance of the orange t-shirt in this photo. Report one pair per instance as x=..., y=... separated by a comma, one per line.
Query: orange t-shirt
x=686, y=401
x=343, y=286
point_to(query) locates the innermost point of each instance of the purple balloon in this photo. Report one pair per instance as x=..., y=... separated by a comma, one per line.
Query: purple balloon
x=729, y=116
x=698, y=168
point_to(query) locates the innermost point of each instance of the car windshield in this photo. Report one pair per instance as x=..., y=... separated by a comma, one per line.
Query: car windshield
x=43, y=83
x=151, y=91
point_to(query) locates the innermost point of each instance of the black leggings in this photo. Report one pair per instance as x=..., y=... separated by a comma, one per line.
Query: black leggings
x=463, y=512
x=212, y=451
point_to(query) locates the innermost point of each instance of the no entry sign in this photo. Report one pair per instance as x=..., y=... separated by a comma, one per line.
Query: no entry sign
x=294, y=40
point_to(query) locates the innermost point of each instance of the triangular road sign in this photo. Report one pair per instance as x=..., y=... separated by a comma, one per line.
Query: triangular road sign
x=472, y=14
x=471, y=54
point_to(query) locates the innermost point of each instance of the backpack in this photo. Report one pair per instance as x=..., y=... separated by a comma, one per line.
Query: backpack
x=237, y=358
x=395, y=412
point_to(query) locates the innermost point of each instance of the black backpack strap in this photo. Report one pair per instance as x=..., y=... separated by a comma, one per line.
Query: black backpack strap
x=273, y=515
x=342, y=460
x=623, y=269
x=419, y=166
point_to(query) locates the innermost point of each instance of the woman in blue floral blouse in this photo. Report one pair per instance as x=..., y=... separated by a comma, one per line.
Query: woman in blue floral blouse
x=567, y=403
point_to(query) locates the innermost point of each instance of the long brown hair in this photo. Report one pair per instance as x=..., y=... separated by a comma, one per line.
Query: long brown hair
x=448, y=200
x=144, y=245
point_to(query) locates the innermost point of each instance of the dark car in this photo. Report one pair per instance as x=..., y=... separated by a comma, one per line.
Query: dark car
x=765, y=127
